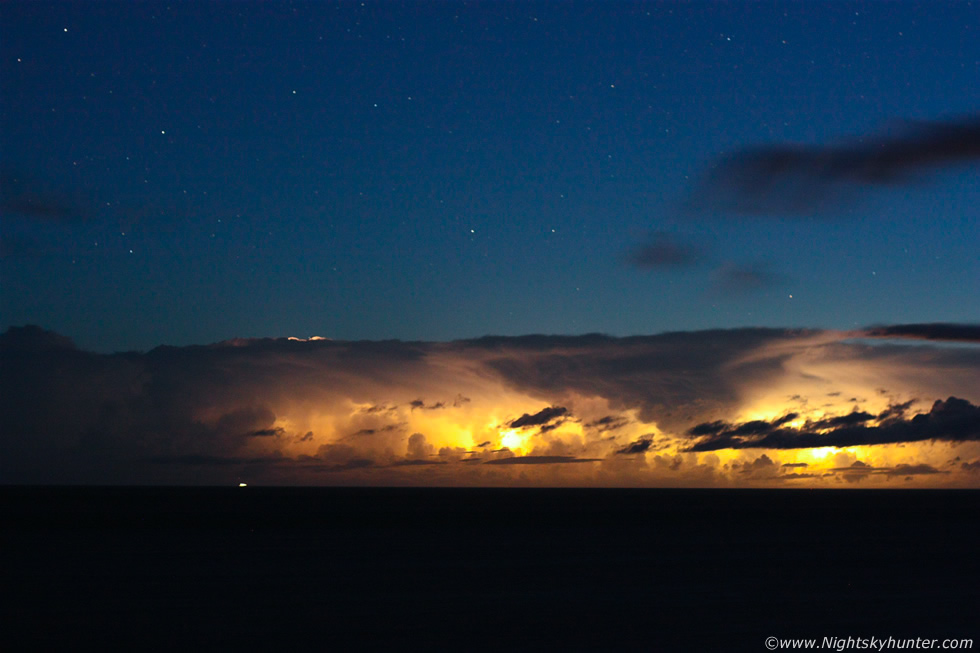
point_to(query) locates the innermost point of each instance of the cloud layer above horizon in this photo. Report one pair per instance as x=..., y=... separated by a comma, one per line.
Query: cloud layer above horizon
x=890, y=406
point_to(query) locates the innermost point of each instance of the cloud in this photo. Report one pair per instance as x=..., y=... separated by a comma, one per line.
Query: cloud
x=415, y=462
x=381, y=429
x=418, y=448
x=801, y=179
x=291, y=410
x=933, y=331
x=609, y=423
x=860, y=470
x=664, y=377
x=353, y=464
x=31, y=339
x=745, y=278
x=276, y=432
x=761, y=467
x=540, y=460
x=539, y=418
x=952, y=420
x=28, y=199
x=640, y=446
x=851, y=419
x=420, y=404
x=664, y=251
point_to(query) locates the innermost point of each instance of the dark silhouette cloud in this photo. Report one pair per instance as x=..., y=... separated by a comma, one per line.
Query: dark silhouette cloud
x=421, y=405
x=860, y=470
x=416, y=462
x=709, y=428
x=954, y=420
x=551, y=427
x=608, y=423
x=539, y=418
x=934, y=331
x=755, y=427
x=895, y=410
x=843, y=420
x=379, y=409
x=913, y=470
x=387, y=428
x=802, y=179
x=272, y=432
x=539, y=460
x=664, y=251
x=640, y=446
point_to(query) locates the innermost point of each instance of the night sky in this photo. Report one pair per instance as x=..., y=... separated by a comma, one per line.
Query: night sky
x=191, y=173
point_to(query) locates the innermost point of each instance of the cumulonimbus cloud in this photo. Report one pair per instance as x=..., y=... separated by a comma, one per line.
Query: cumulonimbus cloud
x=643, y=409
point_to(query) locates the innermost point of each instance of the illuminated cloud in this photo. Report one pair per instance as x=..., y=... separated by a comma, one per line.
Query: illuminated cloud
x=714, y=408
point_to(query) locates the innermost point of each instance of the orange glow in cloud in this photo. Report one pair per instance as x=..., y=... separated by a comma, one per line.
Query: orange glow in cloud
x=726, y=409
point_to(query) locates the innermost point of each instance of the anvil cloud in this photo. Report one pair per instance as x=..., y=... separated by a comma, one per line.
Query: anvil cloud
x=742, y=407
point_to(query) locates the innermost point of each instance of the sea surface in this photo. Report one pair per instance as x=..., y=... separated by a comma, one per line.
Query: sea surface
x=336, y=569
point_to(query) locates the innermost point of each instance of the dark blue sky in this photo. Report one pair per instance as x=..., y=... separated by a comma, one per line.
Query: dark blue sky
x=187, y=172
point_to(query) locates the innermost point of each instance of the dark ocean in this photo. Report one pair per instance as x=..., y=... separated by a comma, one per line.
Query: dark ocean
x=282, y=569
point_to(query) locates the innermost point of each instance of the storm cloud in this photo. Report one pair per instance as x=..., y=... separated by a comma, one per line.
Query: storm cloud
x=647, y=409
